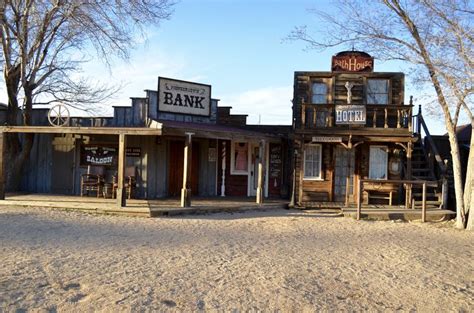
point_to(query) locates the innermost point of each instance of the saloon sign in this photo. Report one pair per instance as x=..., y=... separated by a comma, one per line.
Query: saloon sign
x=350, y=114
x=352, y=61
x=183, y=97
x=98, y=155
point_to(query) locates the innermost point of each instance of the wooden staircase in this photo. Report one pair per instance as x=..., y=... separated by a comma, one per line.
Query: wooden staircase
x=421, y=170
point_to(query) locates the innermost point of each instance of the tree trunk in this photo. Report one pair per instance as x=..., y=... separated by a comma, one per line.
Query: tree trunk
x=458, y=187
x=469, y=184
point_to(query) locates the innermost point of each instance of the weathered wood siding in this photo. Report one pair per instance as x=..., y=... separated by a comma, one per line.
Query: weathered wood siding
x=36, y=174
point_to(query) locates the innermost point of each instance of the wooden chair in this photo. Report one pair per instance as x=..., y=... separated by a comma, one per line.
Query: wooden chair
x=129, y=182
x=93, y=180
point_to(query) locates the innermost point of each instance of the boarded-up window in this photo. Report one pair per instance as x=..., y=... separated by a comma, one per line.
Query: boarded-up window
x=312, y=162
x=378, y=162
x=319, y=93
x=377, y=91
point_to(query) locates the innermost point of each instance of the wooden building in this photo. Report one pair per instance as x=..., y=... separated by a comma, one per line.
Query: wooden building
x=177, y=132
x=350, y=124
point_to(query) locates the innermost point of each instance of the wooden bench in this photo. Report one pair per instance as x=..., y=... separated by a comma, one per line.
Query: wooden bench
x=380, y=194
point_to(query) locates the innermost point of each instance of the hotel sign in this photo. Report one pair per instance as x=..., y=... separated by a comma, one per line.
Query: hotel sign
x=350, y=61
x=350, y=114
x=177, y=96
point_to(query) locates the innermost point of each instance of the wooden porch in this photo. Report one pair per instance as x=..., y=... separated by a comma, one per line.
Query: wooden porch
x=137, y=207
x=395, y=212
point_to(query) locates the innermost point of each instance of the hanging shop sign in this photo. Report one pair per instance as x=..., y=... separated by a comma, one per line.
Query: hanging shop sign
x=177, y=96
x=350, y=114
x=352, y=61
x=98, y=155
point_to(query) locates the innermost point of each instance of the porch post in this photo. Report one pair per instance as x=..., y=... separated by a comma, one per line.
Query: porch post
x=186, y=190
x=223, y=169
x=2, y=166
x=121, y=194
x=260, y=181
x=408, y=193
x=301, y=172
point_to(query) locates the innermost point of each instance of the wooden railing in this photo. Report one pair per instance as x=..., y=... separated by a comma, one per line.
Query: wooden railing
x=408, y=185
x=377, y=116
x=441, y=169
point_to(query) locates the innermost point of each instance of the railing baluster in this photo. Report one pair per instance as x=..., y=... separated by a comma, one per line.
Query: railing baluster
x=386, y=118
x=374, y=119
x=314, y=117
x=303, y=115
x=398, y=118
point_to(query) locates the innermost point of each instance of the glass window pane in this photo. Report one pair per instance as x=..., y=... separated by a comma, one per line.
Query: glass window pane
x=321, y=99
x=312, y=166
x=378, y=163
x=377, y=91
x=319, y=93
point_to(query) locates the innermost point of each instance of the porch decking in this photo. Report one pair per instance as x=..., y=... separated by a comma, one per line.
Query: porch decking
x=395, y=212
x=136, y=207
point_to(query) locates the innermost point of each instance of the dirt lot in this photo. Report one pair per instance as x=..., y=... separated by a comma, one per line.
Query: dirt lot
x=273, y=260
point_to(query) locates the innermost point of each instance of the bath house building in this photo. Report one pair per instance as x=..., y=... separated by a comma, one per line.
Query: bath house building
x=350, y=123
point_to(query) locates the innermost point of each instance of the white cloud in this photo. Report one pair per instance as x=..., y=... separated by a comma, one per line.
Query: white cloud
x=272, y=105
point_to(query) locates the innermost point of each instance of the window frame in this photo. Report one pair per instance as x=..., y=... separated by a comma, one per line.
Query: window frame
x=327, y=83
x=320, y=177
x=233, y=171
x=388, y=84
x=385, y=149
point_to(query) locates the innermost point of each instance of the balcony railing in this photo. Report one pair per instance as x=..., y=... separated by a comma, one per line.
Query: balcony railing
x=377, y=116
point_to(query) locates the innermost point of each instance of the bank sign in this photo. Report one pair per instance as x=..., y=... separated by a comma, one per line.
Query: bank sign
x=350, y=114
x=177, y=96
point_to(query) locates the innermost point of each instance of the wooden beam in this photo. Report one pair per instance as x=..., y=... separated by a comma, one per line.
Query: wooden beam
x=2, y=166
x=359, y=199
x=121, y=194
x=186, y=190
x=423, y=205
x=144, y=131
x=301, y=170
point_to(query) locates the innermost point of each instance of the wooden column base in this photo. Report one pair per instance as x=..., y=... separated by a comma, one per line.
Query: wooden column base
x=121, y=197
x=259, y=195
x=185, y=198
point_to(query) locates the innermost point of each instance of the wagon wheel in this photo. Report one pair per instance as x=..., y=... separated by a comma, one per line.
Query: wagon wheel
x=58, y=115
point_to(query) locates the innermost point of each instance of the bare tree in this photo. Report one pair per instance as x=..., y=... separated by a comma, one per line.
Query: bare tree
x=434, y=37
x=44, y=42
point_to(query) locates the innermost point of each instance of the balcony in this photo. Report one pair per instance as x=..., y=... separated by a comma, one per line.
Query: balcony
x=323, y=116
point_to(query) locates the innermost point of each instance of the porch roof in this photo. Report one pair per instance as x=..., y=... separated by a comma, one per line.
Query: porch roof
x=213, y=131
x=139, y=131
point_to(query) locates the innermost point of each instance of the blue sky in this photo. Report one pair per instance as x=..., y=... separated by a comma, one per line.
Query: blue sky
x=235, y=46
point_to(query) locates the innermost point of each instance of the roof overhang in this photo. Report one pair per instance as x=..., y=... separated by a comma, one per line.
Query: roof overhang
x=137, y=131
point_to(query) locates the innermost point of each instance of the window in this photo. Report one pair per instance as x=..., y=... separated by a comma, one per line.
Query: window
x=378, y=162
x=377, y=91
x=312, y=162
x=239, y=158
x=319, y=93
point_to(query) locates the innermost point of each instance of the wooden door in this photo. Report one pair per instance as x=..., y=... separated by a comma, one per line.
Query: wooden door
x=176, y=160
x=343, y=168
